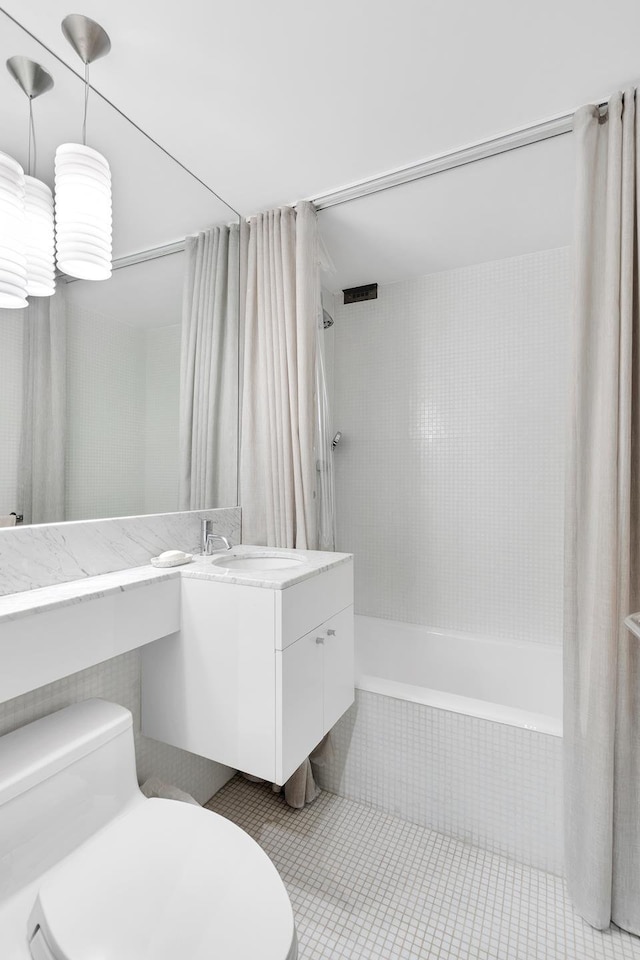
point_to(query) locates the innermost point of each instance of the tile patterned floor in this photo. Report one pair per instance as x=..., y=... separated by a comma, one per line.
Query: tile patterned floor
x=367, y=885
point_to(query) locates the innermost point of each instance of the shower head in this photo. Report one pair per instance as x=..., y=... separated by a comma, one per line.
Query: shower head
x=336, y=440
x=327, y=319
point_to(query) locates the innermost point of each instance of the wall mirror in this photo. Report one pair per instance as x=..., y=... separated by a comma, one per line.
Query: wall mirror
x=90, y=377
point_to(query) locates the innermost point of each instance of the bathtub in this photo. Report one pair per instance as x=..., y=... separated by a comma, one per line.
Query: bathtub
x=457, y=734
x=505, y=682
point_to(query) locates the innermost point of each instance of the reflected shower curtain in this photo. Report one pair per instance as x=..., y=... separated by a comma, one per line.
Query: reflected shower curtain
x=41, y=477
x=209, y=371
x=602, y=542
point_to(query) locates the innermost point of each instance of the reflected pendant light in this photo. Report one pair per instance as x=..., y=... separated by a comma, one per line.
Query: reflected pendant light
x=83, y=177
x=13, y=258
x=34, y=80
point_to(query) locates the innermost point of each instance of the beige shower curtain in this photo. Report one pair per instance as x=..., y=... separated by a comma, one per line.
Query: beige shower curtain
x=41, y=471
x=278, y=475
x=602, y=549
x=277, y=455
x=208, y=447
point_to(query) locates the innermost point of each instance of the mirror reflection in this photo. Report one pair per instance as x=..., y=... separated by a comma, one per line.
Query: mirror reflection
x=90, y=378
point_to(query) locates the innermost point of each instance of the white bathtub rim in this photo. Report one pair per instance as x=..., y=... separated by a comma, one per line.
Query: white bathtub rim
x=454, y=703
x=409, y=626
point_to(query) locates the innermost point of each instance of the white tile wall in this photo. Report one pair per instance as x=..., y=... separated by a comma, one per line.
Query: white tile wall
x=11, y=325
x=105, y=417
x=490, y=784
x=449, y=392
x=162, y=411
x=123, y=412
x=118, y=680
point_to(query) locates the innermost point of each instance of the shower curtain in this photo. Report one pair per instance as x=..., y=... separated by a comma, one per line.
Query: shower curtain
x=602, y=539
x=278, y=476
x=208, y=449
x=284, y=490
x=41, y=471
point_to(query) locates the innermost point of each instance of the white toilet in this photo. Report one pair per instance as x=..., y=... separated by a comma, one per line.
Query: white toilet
x=89, y=868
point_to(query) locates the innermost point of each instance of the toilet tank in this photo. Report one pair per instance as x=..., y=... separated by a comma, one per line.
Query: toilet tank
x=62, y=778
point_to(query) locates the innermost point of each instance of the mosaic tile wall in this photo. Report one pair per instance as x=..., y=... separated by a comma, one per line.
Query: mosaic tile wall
x=162, y=413
x=118, y=680
x=490, y=784
x=449, y=392
x=123, y=386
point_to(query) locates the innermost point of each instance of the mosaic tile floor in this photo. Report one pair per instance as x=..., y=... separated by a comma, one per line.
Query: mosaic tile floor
x=367, y=885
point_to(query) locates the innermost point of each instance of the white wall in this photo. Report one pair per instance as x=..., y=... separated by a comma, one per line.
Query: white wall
x=162, y=411
x=449, y=392
x=11, y=322
x=123, y=385
x=105, y=417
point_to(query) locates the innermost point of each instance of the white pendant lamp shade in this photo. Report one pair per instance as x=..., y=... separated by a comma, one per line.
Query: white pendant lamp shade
x=13, y=261
x=83, y=212
x=38, y=202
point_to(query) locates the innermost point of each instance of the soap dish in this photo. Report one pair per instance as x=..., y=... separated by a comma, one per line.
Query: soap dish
x=173, y=562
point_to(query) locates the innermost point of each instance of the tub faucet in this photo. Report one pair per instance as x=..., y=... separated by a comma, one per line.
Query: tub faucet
x=208, y=538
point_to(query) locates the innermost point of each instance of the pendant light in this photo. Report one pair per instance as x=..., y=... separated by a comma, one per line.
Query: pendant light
x=13, y=259
x=83, y=177
x=34, y=80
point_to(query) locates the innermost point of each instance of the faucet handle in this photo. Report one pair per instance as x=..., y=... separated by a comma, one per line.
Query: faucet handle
x=205, y=530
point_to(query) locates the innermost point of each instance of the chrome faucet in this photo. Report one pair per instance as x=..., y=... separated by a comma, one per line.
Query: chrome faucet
x=208, y=538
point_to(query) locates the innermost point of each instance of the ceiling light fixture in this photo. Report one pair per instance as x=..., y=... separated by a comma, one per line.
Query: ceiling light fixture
x=34, y=80
x=83, y=177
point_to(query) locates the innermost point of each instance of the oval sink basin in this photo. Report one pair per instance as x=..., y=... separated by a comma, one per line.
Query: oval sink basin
x=260, y=561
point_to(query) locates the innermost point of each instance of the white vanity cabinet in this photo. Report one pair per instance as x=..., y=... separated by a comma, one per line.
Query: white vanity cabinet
x=256, y=676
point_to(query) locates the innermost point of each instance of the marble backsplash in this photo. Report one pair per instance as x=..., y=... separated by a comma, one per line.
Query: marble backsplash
x=42, y=555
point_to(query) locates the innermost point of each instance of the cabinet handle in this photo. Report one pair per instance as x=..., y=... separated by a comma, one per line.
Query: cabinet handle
x=331, y=633
x=319, y=639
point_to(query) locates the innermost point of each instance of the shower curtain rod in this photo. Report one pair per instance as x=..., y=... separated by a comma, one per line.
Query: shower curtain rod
x=479, y=150
x=153, y=253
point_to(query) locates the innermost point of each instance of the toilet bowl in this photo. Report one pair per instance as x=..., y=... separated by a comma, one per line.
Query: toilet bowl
x=89, y=867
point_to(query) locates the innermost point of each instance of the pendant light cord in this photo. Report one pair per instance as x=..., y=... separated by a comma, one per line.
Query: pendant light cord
x=86, y=103
x=31, y=170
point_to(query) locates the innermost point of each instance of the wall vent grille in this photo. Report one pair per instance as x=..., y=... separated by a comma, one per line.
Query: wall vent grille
x=369, y=291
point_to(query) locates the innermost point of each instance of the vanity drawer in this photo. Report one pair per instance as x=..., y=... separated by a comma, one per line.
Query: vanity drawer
x=306, y=605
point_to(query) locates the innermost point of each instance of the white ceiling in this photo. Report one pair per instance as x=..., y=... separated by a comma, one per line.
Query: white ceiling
x=146, y=295
x=502, y=207
x=271, y=102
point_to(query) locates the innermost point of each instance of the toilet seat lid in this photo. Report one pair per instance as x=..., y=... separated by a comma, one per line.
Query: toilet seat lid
x=166, y=880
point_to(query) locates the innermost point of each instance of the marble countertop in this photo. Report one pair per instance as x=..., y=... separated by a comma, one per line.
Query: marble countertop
x=27, y=602
x=314, y=562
